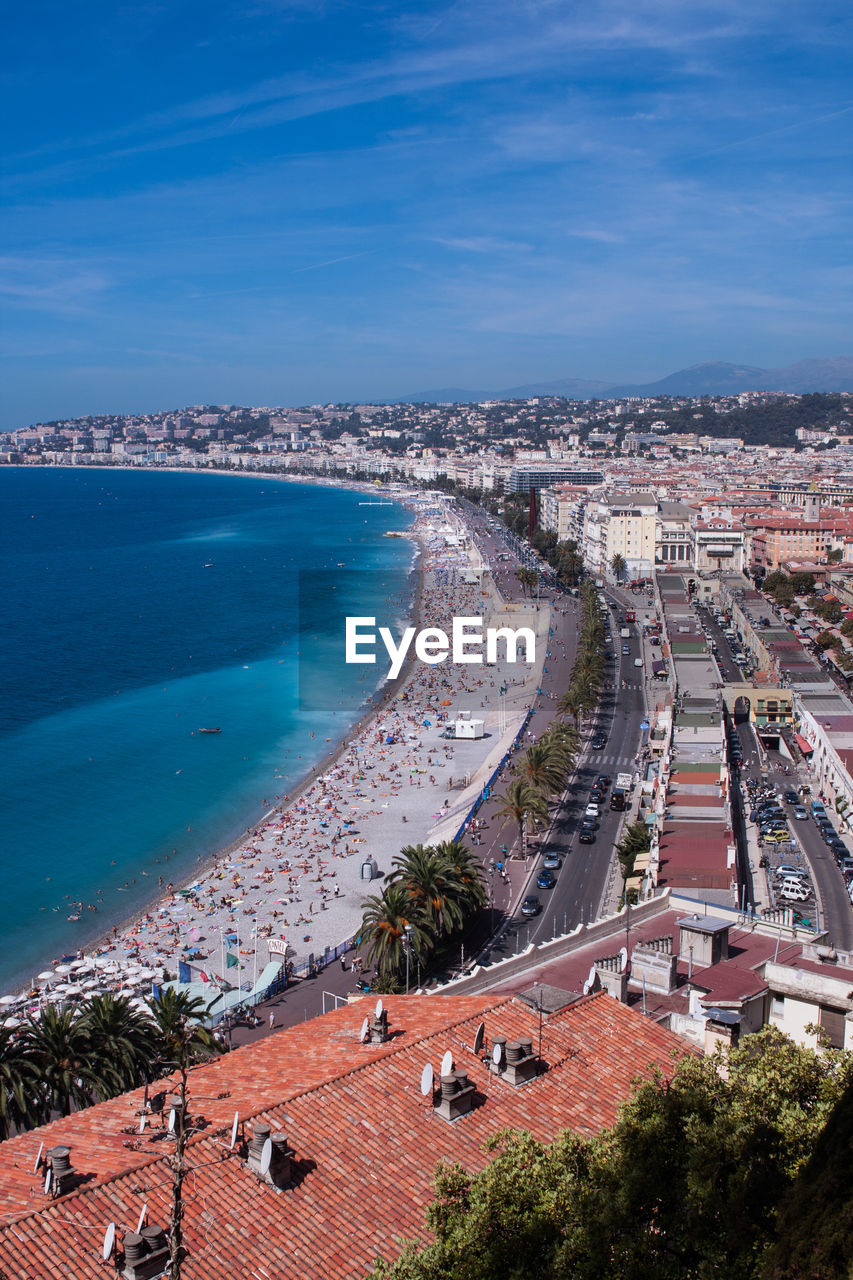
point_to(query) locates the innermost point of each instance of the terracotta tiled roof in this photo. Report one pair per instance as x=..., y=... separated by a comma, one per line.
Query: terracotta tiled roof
x=366, y=1141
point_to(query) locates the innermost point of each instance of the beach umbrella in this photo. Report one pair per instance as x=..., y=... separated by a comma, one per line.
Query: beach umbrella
x=63, y=968
x=12, y=1022
x=7, y=1000
x=47, y=975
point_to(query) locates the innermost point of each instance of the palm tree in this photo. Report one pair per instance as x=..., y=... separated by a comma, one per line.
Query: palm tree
x=567, y=737
x=176, y=1017
x=428, y=880
x=544, y=766
x=120, y=1035
x=385, y=926
x=467, y=871
x=570, y=705
x=522, y=803
x=18, y=1080
x=618, y=564
x=69, y=1077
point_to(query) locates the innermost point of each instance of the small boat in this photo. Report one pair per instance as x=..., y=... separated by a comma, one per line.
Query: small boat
x=216, y=730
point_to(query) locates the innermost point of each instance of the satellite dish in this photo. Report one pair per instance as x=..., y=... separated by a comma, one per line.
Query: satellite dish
x=38, y=1159
x=590, y=982
x=623, y=957
x=586, y=988
x=234, y=1128
x=447, y=1063
x=426, y=1079
x=142, y=1123
x=379, y=1007
x=266, y=1157
x=496, y=1055
x=479, y=1037
x=109, y=1240
x=363, y=1030
x=173, y=1115
x=143, y=1214
x=47, y=1181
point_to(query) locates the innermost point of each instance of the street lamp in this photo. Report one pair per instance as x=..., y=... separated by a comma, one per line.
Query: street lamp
x=407, y=944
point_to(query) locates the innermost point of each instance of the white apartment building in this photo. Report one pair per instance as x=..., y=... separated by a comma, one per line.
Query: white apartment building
x=623, y=524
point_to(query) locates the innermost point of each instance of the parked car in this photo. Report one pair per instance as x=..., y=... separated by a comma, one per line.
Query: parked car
x=785, y=869
x=793, y=892
x=587, y=835
x=592, y=811
x=531, y=906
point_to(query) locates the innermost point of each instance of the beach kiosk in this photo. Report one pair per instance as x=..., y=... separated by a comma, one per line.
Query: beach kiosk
x=466, y=727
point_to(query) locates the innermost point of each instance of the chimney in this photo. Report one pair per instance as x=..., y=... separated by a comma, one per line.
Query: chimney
x=62, y=1174
x=378, y=1030
x=654, y=965
x=612, y=977
x=457, y=1096
x=280, y=1172
x=145, y=1254
x=521, y=1062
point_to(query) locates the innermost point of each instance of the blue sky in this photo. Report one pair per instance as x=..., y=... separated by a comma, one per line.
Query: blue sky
x=291, y=201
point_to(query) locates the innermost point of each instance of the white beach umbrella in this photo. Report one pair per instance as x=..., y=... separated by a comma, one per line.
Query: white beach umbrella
x=62, y=968
x=47, y=975
x=12, y=1022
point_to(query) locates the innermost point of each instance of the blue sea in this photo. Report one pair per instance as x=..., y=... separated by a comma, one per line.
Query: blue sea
x=138, y=608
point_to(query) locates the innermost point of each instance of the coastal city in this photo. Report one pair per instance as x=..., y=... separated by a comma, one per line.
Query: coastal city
x=426, y=645
x=656, y=814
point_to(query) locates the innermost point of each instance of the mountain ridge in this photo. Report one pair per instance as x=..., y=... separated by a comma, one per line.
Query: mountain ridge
x=715, y=377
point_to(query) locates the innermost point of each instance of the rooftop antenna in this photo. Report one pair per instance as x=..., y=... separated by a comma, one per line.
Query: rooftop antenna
x=143, y=1214
x=109, y=1241
x=447, y=1063
x=38, y=1159
x=266, y=1158
x=479, y=1038
x=234, y=1128
x=426, y=1079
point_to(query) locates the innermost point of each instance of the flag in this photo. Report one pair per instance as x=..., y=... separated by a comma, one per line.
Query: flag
x=204, y=976
x=231, y=961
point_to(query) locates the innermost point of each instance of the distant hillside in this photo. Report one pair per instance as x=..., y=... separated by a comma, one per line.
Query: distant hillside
x=709, y=379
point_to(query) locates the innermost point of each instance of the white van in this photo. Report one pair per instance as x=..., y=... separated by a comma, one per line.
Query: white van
x=791, y=891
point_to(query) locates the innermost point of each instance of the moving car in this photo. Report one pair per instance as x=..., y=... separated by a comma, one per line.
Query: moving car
x=587, y=834
x=552, y=861
x=531, y=906
x=791, y=797
x=599, y=742
x=545, y=880
x=800, y=813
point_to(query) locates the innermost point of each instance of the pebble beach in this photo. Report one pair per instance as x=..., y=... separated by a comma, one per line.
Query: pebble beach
x=299, y=878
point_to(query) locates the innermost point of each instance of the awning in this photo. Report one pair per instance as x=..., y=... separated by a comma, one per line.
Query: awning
x=719, y=549
x=804, y=746
x=658, y=666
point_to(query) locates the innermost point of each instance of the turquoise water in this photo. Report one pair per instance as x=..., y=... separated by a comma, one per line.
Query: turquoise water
x=138, y=608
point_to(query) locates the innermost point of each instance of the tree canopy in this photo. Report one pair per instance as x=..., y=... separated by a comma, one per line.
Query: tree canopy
x=686, y=1185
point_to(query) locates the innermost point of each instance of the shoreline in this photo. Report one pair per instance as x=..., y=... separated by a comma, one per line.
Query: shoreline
x=122, y=921
x=394, y=749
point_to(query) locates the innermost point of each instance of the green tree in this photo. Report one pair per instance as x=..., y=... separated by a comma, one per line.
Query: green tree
x=684, y=1186
x=545, y=765
x=18, y=1083
x=384, y=924
x=524, y=804
x=430, y=883
x=118, y=1034
x=178, y=1032
x=467, y=874
x=802, y=583
x=619, y=565
x=69, y=1077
